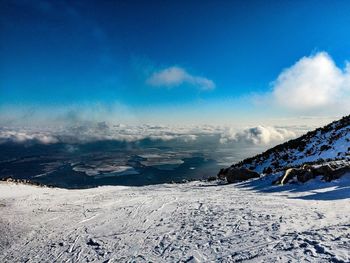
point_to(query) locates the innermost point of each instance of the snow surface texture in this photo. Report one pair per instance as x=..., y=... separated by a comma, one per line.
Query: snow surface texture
x=194, y=222
x=329, y=142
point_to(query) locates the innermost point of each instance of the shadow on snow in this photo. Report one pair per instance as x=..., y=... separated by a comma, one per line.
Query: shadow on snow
x=315, y=189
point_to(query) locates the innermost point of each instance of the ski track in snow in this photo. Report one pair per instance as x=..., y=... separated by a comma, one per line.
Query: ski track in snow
x=193, y=222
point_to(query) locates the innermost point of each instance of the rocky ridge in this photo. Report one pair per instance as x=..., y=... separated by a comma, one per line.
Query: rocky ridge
x=331, y=142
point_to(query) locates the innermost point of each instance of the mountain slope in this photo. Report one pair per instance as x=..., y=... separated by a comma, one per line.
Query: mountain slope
x=193, y=222
x=329, y=142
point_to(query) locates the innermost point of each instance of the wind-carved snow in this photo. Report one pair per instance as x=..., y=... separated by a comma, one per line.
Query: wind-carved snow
x=193, y=222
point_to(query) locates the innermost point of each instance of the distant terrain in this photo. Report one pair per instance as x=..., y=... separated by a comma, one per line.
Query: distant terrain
x=110, y=162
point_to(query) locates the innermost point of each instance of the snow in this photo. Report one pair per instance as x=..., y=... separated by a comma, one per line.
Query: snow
x=192, y=222
x=336, y=141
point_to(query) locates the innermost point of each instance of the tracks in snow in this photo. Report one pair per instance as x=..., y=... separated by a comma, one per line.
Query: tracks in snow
x=180, y=223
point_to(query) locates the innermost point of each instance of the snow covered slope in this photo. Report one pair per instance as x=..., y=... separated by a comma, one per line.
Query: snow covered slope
x=329, y=142
x=193, y=222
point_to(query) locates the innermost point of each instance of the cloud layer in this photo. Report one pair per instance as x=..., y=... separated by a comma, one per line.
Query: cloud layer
x=259, y=135
x=176, y=76
x=312, y=83
x=25, y=136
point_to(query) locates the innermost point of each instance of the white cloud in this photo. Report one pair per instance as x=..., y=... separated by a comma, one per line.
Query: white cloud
x=83, y=133
x=24, y=136
x=312, y=83
x=176, y=76
x=260, y=135
x=91, y=132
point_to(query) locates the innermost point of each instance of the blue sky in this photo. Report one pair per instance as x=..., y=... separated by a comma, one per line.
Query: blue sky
x=183, y=60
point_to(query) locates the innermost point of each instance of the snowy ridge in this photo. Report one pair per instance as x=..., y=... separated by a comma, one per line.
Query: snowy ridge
x=330, y=142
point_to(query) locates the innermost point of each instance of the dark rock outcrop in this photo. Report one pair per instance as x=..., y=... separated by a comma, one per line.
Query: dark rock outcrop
x=307, y=172
x=233, y=175
x=23, y=181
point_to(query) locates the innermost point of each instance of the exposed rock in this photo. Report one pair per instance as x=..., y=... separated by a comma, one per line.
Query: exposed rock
x=325, y=170
x=337, y=173
x=212, y=178
x=267, y=170
x=304, y=176
x=9, y=179
x=233, y=175
x=290, y=174
x=307, y=172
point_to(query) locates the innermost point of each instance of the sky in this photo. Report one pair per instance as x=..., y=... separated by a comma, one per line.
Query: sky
x=174, y=62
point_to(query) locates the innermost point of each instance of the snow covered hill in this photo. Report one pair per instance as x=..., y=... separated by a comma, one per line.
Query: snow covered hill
x=328, y=143
x=193, y=222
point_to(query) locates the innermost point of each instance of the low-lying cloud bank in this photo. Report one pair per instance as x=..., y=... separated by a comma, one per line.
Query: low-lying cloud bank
x=259, y=135
x=24, y=136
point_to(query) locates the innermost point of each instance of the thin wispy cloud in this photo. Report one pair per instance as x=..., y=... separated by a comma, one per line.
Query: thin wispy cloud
x=176, y=76
x=66, y=114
